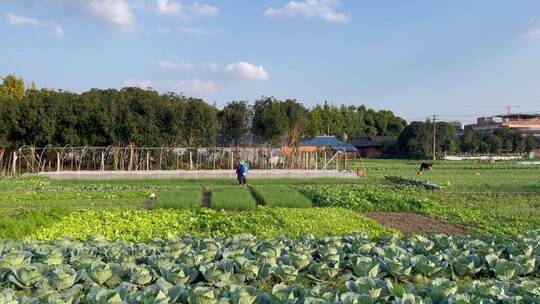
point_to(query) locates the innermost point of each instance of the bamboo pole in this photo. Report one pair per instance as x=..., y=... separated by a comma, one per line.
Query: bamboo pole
x=14, y=168
x=102, y=161
x=271, y=160
x=130, y=165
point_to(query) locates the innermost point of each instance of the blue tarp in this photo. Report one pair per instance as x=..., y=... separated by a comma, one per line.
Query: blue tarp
x=329, y=141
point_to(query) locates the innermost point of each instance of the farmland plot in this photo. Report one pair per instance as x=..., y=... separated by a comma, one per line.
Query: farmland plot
x=182, y=198
x=281, y=196
x=232, y=198
x=244, y=269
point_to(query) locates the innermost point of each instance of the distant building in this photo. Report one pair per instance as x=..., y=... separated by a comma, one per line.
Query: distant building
x=518, y=123
x=369, y=146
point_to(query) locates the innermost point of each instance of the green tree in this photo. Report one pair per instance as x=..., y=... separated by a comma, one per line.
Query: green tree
x=12, y=87
x=352, y=122
x=315, y=122
x=270, y=121
x=469, y=141
x=446, y=137
x=414, y=142
x=200, y=123
x=493, y=143
x=529, y=143
x=297, y=121
x=234, y=122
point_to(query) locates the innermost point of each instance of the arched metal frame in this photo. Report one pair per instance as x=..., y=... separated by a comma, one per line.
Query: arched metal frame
x=28, y=159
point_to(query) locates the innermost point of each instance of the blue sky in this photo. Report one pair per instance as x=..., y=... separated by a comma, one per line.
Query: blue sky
x=414, y=57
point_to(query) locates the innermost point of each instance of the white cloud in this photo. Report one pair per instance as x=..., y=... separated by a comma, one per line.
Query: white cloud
x=118, y=13
x=57, y=32
x=323, y=9
x=207, y=67
x=533, y=33
x=213, y=67
x=204, y=9
x=176, y=65
x=164, y=30
x=246, y=70
x=241, y=70
x=143, y=84
x=20, y=20
x=196, y=86
x=168, y=7
x=14, y=20
x=198, y=31
x=115, y=12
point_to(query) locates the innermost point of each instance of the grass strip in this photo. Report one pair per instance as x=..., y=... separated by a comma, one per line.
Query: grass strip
x=281, y=196
x=23, y=221
x=185, y=198
x=232, y=198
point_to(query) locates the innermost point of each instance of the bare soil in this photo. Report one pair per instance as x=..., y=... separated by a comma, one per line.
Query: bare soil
x=411, y=223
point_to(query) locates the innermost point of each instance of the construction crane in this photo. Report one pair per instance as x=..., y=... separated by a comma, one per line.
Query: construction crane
x=507, y=107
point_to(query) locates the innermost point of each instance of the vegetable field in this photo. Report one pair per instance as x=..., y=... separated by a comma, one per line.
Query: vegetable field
x=244, y=269
x=277, y=241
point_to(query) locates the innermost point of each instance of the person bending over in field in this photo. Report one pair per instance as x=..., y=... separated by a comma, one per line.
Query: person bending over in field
x=425, y=166
x=241, y=171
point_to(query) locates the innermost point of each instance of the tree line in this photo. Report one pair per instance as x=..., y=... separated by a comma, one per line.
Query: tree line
x=147, y=118
x=133, y=116
x=416, y=141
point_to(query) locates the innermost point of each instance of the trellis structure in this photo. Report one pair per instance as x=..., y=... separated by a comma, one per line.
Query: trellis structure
x=28, y=159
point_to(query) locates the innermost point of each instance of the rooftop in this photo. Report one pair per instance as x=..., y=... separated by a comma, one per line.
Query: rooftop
x=328, y=141
x=518, y=116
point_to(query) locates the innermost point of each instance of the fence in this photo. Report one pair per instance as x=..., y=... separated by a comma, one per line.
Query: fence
x=29, y=159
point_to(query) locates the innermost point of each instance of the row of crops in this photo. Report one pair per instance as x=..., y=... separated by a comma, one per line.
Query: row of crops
x=244, y=198
x=247, y=270
x=112, y=211
x=518, y=216
x=231, y=198
x=264, y=222
x=400, y=182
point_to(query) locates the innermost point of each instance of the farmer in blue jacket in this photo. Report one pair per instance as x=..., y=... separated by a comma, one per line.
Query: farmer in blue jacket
x=241, y=171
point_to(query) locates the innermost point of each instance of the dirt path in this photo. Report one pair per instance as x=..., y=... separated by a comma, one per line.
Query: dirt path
x=411, y=223
x=205, y=199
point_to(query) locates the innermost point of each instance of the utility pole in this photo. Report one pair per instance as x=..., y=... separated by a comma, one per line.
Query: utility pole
x=434, y=134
